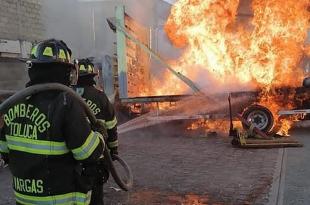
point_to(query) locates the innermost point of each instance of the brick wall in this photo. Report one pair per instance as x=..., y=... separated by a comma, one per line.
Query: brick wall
x=21, y=20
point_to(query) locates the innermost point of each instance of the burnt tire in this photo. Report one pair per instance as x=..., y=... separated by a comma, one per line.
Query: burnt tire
x=260, y=116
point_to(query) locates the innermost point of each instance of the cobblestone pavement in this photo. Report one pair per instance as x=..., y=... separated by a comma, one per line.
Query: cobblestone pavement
x=173, y=166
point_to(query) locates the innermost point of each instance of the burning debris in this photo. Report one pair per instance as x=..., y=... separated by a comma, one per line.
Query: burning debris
x=211, y=125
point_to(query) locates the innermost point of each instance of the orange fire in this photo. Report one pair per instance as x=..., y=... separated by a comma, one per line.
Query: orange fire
x=265, y=52
x=220, y=49
x=279, y=101
x=307, y=51
x=213, y=125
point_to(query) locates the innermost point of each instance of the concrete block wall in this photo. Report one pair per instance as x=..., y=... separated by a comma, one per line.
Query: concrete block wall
x=13, y=74
x=21, y=20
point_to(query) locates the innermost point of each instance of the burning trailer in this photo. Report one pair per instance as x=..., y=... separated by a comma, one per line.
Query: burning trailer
x=254, y=56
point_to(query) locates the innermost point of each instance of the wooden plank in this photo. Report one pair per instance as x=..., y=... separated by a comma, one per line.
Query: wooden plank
x=271, y=145
x=258, y=141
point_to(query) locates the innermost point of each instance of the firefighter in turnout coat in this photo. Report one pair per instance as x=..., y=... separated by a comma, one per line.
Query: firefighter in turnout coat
x=99, y=103
x=46, y=139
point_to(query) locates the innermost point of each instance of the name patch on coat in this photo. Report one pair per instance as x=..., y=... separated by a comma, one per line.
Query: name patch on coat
x=28, y=185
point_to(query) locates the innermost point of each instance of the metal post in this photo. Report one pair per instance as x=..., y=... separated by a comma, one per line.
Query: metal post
x=108, y=75
x=121, y=53
x=93, y=27
x=157, y=111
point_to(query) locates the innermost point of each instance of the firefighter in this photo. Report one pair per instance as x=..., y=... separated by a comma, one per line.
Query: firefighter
x=47, y=140
x=99, y=103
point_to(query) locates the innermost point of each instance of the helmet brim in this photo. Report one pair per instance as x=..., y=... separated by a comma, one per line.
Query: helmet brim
x=34, y=61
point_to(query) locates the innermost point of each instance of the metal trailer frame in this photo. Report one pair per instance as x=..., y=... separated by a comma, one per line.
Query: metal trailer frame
x=150, y=119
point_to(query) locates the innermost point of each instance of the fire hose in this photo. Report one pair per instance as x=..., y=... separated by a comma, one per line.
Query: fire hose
x=23, y=94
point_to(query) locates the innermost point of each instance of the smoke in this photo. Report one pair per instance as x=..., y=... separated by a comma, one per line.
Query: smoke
x=82, y=24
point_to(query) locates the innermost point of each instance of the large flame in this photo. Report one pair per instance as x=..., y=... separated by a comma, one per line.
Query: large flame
x=267, y=53
x=264, y=52
x=276, y=101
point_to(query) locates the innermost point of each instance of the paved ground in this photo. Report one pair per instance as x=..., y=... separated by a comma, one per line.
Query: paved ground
x=6, y=194
x=173, y=167
x=297, y=173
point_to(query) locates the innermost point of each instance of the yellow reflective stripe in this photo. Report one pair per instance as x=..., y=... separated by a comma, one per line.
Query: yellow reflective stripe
x=82, y=68
x=84, y=151
x=111, y=124
x=113, y=144
x=34, y=51
x=48, y=51
x=63, y=199
x=90, y=69
x=62, y=54
x=36, y=146
x=4, y=147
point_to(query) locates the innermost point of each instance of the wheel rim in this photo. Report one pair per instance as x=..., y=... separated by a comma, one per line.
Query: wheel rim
x=259, y=119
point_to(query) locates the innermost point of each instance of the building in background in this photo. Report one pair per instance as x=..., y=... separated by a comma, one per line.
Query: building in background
x=20, y=26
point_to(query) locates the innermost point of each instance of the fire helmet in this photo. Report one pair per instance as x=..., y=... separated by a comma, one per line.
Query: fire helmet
x=86, y=68
x=53, y=51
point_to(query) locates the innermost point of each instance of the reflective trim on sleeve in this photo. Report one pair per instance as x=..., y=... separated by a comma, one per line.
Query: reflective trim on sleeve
x=64, y=199
x=111, y=124
x=84, y=151
x=4, y=147
x=113, y=144
x=36, y=146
